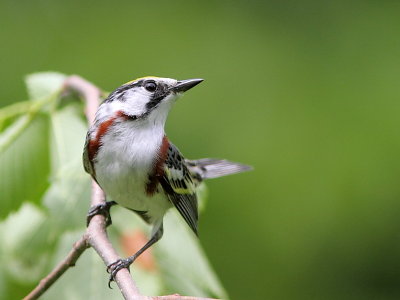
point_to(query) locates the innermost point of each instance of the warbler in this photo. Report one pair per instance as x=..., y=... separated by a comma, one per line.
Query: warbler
x=129, y=155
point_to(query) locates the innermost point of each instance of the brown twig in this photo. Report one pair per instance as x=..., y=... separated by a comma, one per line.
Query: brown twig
x=96, y=235
x=69, y=261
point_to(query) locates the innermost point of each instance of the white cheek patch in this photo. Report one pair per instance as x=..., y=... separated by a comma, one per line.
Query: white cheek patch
x=135, y=102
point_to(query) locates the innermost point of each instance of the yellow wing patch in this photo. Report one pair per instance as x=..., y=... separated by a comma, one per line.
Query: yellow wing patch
x=172, y=178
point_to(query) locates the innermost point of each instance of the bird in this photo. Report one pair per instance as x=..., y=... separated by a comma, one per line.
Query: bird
x=129, y=155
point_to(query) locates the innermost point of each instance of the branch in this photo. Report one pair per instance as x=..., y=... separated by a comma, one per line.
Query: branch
x=96, y=235
x=69, y=261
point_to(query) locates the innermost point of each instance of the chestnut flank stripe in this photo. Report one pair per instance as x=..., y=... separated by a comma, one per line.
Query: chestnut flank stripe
x=158, y=170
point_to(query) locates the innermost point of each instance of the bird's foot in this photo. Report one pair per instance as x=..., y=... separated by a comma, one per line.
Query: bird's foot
x=114, y=267
x=101, y=209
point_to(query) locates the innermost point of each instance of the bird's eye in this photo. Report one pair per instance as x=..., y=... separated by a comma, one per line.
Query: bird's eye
x=151, y=86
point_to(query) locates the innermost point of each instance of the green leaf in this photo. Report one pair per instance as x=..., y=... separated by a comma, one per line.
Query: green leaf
x=42, y=85
x=183, y=263
x=182, y=266
x=8, y=136
x=16, y=237
x=68, y=197
x=13, y=110
x=68, y=134
x=24, y=162
x=202, y=196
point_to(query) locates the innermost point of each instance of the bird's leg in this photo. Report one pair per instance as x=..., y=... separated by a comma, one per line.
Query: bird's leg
x=114, y=267
x=101, y=209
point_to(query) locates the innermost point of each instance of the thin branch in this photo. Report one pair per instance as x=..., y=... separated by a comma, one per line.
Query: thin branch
x=96, y=234
x=69, y=261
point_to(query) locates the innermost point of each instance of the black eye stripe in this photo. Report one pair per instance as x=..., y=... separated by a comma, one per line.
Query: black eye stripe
x=161, y=92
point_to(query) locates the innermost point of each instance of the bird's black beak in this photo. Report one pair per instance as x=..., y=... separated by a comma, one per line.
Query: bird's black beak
x=184, y=85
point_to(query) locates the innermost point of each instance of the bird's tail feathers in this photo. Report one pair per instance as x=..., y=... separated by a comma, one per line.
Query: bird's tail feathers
x=213, y=168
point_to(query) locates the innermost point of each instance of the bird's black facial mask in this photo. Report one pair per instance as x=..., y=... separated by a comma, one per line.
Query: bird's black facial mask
x=159, y=92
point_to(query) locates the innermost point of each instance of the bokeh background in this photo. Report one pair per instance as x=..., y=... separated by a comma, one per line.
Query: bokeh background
x=305, y=91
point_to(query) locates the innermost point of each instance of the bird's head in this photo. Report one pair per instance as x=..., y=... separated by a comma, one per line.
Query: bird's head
x=148, y=98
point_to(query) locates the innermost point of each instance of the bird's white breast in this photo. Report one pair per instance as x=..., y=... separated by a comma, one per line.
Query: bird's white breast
x=124, y=162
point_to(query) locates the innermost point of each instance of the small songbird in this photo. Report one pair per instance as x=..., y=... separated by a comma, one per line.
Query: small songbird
x=128, y=154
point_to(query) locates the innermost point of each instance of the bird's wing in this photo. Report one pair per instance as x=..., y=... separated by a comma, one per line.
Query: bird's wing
x=87, y=164
x=179, y=185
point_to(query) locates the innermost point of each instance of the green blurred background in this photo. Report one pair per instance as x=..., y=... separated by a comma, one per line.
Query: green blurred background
x=305, y=91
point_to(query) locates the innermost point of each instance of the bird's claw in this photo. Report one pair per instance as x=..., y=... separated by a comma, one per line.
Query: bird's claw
x=101, y=209
x=114, y=268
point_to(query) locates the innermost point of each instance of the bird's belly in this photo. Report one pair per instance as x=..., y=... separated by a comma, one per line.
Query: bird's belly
x=122, y=169
x=127, y=187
